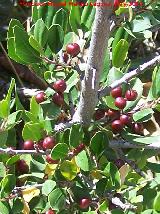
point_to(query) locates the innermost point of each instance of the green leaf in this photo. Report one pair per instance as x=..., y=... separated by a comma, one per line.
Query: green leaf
x=36, y=109
x=48, y=186
x=143, y=115
x=4, y=208
x=99, y=142
x=112, y=171
x=120, y=53
x=69, y=170
x=82, y=161
x=41, y=32
x=3, y=137
x=118, y=36
x=72, y=81
x=155, y=84
x=74, y=18
x=55, y=38
x=4, y=108
x=76, y=135
x=87, y=16
x=2, y=170
x=156, y=204
x=18, y=206
x=61, y=18
x=12, y=24
x=32, y=131
x=23, y=49
x=12, y=51
x=35, y=45
x=8, y=183
x=13, y=119
x=133, y=138
x=57, y=199
x=60, y=151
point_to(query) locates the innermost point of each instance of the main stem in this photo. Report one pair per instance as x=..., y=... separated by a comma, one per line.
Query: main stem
x=98, y=45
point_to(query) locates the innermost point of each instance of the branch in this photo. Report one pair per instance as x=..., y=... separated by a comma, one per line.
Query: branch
x=90, y=83
x=106, y=91
x=127, y=145
x=20, y=152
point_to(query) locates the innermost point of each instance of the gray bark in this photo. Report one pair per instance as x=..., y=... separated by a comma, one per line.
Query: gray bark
x=98, y=45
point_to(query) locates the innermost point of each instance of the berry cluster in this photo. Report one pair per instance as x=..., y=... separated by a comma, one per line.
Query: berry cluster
x=58, y=98
x=118, y=119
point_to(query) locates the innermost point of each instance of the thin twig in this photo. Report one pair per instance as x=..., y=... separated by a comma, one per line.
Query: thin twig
x=127, y=145
x=11, y=64
x=19, y=152
x=128, y=76
x=130, y=163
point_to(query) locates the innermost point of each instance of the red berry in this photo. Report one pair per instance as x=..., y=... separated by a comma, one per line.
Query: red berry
x=131, y=95
x=113, y=114
x=138, y=128
x=120, y=102
x=28, y=145
x=58, y=99
x=116, y=92
x=50, y=211
x=50, y=160
x=117, y=126
x=99, y=113
x=22, y=167
x=49, y=143
x=60, y=86
x=119, y=163
x=125, y=119
x=65, y=57
x=40, y=97
x=84, y=203
x=73, y=49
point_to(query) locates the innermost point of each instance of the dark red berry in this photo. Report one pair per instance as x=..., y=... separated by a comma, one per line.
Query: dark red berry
x=50, y=211
x=120, y=102
x=113, y=114
x=138, y=128
x=84, y=203
x=58, y=99
x=49, y=143
x=50, y=160
x=116, y=92
x=28, y=145
x=60, y=86
x=65, y=57
x=22, y=167
x=99, y=113
x=125, y=119
x=73, y=49
x=131, y=95
x=117, y=126
x=119, y=163
x=40, y=97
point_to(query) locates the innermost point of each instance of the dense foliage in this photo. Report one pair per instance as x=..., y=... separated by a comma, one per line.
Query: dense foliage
x=110, y=166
